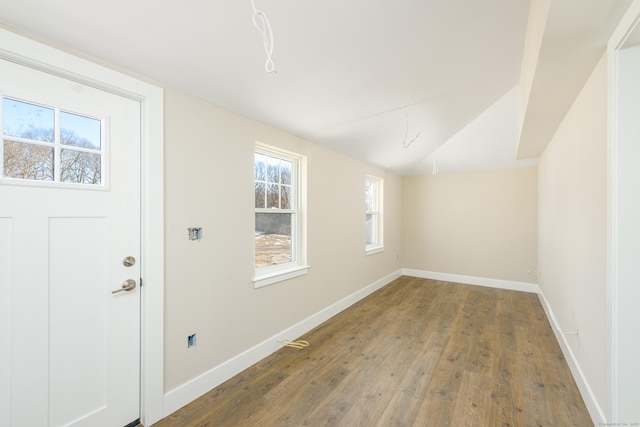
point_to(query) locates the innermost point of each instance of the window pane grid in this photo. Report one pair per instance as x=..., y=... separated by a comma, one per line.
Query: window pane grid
x=273, y=182
x=36, y=147
x=373, y=222
x=276, y=210
x=27, y=141
x=49, y=144
x=56, y=148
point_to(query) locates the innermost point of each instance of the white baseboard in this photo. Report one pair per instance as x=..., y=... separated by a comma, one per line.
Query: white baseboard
x=597, y=414
x=188, y=392
x=472, y=280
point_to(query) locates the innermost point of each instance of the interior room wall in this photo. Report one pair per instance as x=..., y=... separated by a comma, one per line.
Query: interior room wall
x=480, y=224
x=572, y=244
x=209, y=183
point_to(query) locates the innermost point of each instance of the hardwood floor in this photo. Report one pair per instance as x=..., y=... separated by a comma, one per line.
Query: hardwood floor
x=416, y=353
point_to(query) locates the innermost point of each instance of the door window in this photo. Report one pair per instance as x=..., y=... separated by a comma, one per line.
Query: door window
x=46, y=144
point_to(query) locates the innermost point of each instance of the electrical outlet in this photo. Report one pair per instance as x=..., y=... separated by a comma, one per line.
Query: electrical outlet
x=191, y=341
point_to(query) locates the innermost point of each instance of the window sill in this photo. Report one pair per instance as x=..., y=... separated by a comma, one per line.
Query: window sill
x=373, y=250
x=271, y=277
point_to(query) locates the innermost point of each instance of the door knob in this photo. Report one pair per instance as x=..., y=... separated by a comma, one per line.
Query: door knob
x=128, y=261
x=127, y=286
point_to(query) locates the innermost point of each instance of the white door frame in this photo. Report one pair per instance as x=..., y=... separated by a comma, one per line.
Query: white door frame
x=623, y=237
x=22, y=50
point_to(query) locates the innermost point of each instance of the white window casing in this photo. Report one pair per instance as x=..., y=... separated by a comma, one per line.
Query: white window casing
x=374, y=203
x=282, y=196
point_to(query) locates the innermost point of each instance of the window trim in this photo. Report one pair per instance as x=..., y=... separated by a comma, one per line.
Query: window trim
x=378, y=245
x=298, y=266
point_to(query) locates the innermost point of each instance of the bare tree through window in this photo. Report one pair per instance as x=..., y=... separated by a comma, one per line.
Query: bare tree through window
x=31, y=152
x=275, y=210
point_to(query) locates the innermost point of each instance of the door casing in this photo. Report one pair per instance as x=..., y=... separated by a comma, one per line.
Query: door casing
x=623, y=231
x=24, y=51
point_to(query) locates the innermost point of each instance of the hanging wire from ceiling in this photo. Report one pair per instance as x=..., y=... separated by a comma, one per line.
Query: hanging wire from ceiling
x=262, y=24
x=406, y=144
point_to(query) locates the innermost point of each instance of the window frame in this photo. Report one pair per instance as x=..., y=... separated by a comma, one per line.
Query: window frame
x=298, y=266
x=376, y=211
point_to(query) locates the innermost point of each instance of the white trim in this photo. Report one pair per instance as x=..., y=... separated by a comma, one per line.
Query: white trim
x=280, y=275
x=269, y=150
x=612, y=233
x=6, y=317
x=269, y=275
x=182, y=395
x=377, y=213
x=595, y=411
x=373, y=250
x=22, y=50
x=152, y=374
x=472, y=280
x=626, y=26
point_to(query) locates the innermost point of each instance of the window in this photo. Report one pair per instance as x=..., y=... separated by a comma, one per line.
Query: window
x=373, y=214
x=279, y=219
x=47, y=144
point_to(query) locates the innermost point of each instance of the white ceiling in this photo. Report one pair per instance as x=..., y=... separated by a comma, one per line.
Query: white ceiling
x=346, y=70
x=574, y=39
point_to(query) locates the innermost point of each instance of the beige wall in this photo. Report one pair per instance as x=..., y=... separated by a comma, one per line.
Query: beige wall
x=209, y=184
x=572, y=238
x=480, y=224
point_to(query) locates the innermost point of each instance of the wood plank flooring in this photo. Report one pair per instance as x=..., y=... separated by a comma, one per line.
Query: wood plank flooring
x=416, y=353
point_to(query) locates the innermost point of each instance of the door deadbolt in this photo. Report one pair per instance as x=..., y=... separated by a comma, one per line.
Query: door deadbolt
x=128, y=261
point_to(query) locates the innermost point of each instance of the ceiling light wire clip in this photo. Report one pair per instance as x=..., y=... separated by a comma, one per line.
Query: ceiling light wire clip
x=261, y=22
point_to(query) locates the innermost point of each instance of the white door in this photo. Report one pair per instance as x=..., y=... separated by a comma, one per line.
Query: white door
x=69, y=216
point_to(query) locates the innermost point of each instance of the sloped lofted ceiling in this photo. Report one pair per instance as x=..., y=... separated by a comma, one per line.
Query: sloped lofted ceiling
x=566, y=38
x=353, y=75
